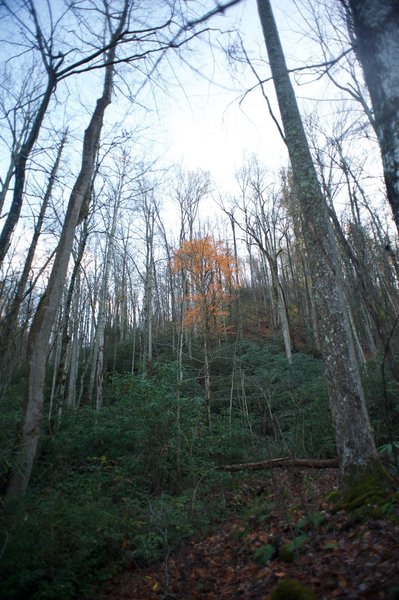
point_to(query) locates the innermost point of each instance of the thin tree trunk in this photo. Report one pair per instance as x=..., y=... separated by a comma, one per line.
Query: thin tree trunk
x=6, y=182
x=20, y=168
x=98, y=354
x=74, y=362
x=236, y=277
x=63, y=366
x=281, y=306
x=354, y=437
x=207, y=379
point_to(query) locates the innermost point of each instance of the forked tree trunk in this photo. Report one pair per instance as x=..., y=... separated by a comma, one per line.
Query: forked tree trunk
x=354, y=437
x=375, y=25
x=38, y=343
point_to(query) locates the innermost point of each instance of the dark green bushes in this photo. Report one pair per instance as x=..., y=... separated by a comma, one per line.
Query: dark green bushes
x=116, y=488
x=124, y=486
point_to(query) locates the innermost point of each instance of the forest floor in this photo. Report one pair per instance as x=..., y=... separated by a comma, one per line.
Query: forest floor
x=281, y=526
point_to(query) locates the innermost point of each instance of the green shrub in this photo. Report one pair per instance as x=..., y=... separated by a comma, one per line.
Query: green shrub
x=116, y=486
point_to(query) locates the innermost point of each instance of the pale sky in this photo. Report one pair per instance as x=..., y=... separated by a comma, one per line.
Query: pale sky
x=205, y=126
x=208, y=128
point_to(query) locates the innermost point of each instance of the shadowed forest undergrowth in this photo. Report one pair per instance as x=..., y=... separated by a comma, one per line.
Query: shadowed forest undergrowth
x=133, y=502
x=282, y=529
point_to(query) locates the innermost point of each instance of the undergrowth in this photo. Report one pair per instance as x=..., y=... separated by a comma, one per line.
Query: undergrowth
x=125, y=486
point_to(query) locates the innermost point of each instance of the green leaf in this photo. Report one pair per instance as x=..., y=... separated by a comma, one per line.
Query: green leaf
x=264, y=553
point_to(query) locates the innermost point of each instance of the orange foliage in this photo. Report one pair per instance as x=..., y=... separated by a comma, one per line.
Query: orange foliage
x=211, y=278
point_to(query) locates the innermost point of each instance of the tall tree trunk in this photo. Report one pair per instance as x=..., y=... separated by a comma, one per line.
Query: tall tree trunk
x=6, y=182
x=354, y=437
x=97, y=373
x=207, y=376
x=149, y=289
x=38, y=343
x=63, y=366
x=375, y=25
x=74, y=361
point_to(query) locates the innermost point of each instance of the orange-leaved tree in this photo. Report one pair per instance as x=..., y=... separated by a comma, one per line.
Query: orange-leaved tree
x=209, y=281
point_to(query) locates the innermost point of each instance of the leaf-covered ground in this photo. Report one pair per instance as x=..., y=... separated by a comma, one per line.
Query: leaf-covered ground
x=282, y=527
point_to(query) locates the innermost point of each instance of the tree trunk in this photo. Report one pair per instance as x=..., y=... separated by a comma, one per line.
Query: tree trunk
x=97, y=374
x=6, y=183
x=238, y=319
x=281, y=306
x=354, y=437
x=207, y=378
x=38, y=343
x=375, y=25
x=20, y=168
x=63, y=366
x=74, y=362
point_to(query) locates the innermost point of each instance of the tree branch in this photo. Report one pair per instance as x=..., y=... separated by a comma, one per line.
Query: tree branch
x=311, y=463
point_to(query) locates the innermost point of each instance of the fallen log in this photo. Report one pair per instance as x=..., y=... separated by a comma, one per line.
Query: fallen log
x=311, y=463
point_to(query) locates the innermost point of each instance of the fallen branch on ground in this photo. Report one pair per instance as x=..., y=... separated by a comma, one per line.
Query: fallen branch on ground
x=312, y=463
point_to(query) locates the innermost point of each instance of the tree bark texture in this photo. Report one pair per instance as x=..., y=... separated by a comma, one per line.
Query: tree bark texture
x=375, y=25
x=354, y=437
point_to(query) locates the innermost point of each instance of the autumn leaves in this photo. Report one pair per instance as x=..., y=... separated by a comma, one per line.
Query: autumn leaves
x=210, y=279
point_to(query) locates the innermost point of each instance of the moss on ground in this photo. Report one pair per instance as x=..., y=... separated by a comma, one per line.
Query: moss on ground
x=291, y=589
x=368, y=495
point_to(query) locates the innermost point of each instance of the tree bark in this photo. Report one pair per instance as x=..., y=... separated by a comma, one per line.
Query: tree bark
x=63, y=366
x=354, y=437
x=375, y=25
x=97, y=372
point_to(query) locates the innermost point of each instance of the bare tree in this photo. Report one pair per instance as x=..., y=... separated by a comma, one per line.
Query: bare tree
x=265, y=224
x=8, y=323
x=61, y=61
x=47, y=309
x=354, y=437
x=109, y=30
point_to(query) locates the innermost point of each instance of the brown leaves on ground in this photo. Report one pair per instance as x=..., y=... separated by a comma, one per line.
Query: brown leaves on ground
x=338, y=555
